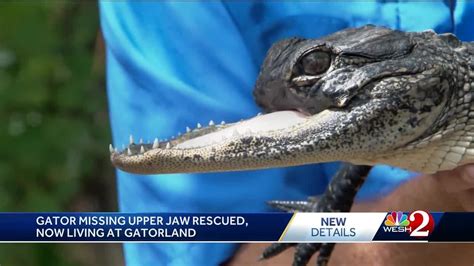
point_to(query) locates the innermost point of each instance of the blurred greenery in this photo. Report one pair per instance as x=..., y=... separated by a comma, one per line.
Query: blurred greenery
x=54, y=124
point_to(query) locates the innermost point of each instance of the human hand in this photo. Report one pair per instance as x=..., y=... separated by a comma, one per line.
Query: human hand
x=459, y=182
x=451, y=190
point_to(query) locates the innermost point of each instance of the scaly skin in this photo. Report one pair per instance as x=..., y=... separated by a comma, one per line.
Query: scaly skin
x=366, y=96
x=389, y=97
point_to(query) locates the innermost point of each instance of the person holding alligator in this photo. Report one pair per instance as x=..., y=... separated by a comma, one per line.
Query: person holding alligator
x=347, y=97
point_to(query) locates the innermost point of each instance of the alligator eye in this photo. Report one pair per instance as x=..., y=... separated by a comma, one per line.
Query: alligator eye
x=315, y=63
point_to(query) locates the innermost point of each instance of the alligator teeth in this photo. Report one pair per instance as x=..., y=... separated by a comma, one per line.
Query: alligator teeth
x=142, y=149
x=111, y=148
x=141, y=141
x=131, y=139
x=199, y=125
x=168, y=146
x=129, y=152
x=222, y=122
x=211, y=123
x=156, y=143
x=188, y=129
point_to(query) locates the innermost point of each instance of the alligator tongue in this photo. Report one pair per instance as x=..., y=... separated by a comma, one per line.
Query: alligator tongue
x=255, y=125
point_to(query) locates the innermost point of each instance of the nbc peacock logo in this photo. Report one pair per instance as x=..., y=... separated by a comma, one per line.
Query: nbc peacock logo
x=397, y=222
x=418, y=223
x=397, y=219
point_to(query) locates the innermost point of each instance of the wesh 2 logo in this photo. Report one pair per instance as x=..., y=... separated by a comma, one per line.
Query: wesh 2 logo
x=417, y=223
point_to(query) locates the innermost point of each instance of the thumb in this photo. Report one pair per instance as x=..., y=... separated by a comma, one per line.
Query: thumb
x=458, y=179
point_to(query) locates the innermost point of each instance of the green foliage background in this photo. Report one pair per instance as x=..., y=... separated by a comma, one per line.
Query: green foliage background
x=54, y=124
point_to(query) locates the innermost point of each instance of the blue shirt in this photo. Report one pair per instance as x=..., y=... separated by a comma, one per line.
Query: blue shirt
x=172, y=65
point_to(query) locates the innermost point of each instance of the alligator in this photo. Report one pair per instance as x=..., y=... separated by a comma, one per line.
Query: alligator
x=365, y=96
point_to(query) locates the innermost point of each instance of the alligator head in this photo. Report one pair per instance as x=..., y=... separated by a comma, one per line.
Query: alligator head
x=350, y=96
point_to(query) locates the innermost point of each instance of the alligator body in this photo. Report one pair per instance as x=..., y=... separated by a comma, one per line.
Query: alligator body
x=364, y=95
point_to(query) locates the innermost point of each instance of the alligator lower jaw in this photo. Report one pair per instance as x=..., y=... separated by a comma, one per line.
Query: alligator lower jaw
x=206, y=148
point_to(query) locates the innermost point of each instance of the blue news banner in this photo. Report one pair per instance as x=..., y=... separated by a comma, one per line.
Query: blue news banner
x=396, y=226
